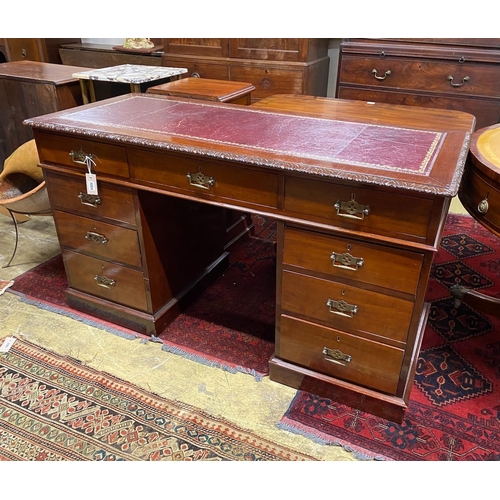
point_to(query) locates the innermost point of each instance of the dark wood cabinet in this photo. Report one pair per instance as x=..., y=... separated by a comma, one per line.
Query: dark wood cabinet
x=35, y=49
x=448, y=73
x=94, y=55
x=272, y=65
x=32, y=88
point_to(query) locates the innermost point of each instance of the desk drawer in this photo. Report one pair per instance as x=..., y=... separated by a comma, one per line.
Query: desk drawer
x=98, y=239
x=106, y=280
x=56, y=149
x=356, y=360
x=363, y=262
x=475, y=188
x=421, y=74
x=352, y=309
x=197, y=67
x=227, y=182
x=389, y=213
x=67, y=193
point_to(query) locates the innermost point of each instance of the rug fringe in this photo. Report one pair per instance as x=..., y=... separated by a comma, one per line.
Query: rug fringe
x=359, y=453
x=78, y=317
x=165, y=347
x=209, y=362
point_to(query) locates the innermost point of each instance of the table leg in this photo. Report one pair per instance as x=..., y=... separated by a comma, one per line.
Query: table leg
x=480, y=301
x=85, y=91
x=135, y=88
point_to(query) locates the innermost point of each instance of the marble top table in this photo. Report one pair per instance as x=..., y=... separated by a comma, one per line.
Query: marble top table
x=132, y=74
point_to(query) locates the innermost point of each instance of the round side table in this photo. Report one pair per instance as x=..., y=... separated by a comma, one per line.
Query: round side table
x=480, y=195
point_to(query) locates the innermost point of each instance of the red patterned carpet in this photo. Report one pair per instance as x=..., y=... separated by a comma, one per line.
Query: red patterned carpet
x=53, y=408
x=231, y=325
x=454, y=411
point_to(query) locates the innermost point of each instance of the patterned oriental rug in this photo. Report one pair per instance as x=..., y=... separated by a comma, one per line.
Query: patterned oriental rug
x=230, y=325
x=54, y=408
x=454, y=410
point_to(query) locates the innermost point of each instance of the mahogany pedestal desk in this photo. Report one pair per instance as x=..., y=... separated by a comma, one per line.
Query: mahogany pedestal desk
x=480, y=195
x=360, y=193
x=207, y=89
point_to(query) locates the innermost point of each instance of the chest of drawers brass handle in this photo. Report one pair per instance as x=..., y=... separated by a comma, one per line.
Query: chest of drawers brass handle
x=96, y=237
x=464, y=80
x=483, y=205
x=386, y=74
x=342, y=308
x=346, y=261
x=352, y=209
x=200, y=180
x=336, y=356
x=91, y=200
x=104, y=281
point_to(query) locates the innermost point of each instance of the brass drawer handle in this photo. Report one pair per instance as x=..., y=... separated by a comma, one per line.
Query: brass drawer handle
x=346, y=261
x=82, y=157
x=96, y=237
x=200, y=180
x=91, y=200
x=104, y=281
x=342, y=308
x=352, y=209
x=386, y=74
x=464, y=80
x=336, y=356
x=483, y=205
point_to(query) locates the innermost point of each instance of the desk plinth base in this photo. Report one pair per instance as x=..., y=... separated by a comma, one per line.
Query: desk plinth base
x=390, y=407
x=143, y=322
x=298, y=377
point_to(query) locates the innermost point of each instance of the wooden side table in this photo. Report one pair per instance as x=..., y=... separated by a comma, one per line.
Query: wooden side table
x=480, y=195
x=134, y=75
x=207, y=89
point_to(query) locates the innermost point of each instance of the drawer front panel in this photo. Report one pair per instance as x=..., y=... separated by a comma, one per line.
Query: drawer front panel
x=108, y=159
x=377, y=265
x=451, y=77
x=198, y=69
x=341, y=355
x=473, y=190
x=486, y=111
x=268, y=80
x=227, y=182
x=114, y=203
x=389, y=213
x=375, y=313
x=98, y=239
x=114, y=282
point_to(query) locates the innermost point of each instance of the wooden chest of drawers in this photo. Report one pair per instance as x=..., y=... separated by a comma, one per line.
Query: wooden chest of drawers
x=359, y=218
x=461, y=74
x=272, y=65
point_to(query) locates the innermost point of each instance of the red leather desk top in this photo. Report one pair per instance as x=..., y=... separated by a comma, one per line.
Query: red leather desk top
x=301, y=143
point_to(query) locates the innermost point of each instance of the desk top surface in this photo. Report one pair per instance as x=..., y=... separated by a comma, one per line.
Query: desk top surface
x=129, y=73
x=353, y=141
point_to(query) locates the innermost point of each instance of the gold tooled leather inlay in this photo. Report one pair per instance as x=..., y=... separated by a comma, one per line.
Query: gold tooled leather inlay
x=488, y=144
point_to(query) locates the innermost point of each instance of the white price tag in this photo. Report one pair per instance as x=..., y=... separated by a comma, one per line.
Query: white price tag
x=91, y=181
x=7, y=344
